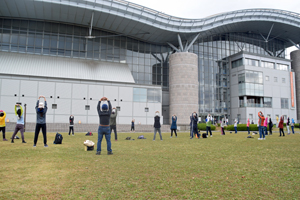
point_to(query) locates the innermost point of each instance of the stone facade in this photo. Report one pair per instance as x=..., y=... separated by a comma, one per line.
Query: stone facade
x=183, y=86
x=295, y=57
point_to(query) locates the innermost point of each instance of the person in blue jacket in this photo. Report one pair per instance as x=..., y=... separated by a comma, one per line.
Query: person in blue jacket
x=174, y=125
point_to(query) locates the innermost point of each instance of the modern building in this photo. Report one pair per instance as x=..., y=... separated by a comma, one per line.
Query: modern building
x=74, y=52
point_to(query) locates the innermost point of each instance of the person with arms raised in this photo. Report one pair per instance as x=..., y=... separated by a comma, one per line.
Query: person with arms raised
x=104, y=112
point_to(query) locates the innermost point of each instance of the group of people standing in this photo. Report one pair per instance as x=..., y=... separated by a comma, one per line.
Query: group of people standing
x=41, y=110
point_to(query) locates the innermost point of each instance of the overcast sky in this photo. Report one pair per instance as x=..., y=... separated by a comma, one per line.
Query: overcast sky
x=195, y=9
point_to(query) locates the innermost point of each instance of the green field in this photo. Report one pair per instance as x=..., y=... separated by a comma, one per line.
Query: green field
x=221, y=167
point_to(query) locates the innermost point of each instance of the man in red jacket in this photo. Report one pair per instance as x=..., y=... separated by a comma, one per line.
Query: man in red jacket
x=261, y=126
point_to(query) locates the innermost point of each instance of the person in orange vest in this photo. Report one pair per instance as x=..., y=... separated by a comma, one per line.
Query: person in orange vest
x=261, y=126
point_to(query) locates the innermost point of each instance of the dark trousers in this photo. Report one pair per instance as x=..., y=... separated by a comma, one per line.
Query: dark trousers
x=19, y=127
x=114, y=127
x=38, y=127
x=270, y=130
x=208, y=129
x=71, y=128
x=195, y=131
x=281, y=130
x=223, y=131
x=248, y=130
x=174, y=132
x=132, y=128
x=3, y=131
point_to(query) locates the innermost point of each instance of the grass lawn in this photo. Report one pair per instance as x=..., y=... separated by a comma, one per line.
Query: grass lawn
x=221, y=167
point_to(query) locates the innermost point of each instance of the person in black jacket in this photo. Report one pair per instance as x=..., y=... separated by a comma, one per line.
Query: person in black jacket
x=157, y=125
x=71, y=120
x=270, y=126
x=104, y=112
x=194, y=125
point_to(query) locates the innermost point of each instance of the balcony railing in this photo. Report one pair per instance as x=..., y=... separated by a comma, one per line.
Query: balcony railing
x=256, y=105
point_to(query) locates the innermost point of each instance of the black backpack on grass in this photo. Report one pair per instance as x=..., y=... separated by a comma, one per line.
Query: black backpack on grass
x=58, y=139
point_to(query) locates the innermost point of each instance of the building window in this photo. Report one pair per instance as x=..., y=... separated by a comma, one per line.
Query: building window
x=275, y=79
x=268, y=64
x=284, y=103
x=267, y=102
x=283, y=80
x=267, y=78
x=54, y=106
x=250, y=116
x=282, y=67
x=236, y=63
x=251, y=83
x=87, y=107
x=146, y=95
x=251, y=62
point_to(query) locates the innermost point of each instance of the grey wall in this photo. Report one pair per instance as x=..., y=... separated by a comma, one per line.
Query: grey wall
x=73, y=96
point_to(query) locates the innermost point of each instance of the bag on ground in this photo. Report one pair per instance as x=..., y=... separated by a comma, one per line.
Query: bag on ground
x=89, y=134
x=204, y=135
x=58, y=139
x=141, y=137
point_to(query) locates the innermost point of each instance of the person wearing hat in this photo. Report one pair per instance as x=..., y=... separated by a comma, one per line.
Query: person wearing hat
x=113, y=122
x=71, y=127
x=41, y=110
x=2, y=123
x=157, y=125
x=20, y=123
x=104, y=112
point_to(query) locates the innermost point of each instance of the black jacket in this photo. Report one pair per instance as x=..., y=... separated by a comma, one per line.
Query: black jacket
x=104, y=115
x=71, y=121
x=156, y=122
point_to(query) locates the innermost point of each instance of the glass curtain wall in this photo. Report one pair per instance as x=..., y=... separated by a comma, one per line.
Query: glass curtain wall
x=147, y=62
x=212, y=51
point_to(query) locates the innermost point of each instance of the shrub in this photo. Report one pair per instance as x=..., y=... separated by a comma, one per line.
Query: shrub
x=297, y=125
x=219, y=124
x=243, y=127
x=202, y=127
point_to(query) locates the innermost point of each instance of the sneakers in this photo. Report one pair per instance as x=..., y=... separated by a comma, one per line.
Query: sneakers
x=259, y=138
x=12, y=141
x=171, y=137
x=210, y=135
x=98, y=153
x=45, y=145
x=72, y=134
x=191, y=138
x=109, y=153
x=24, y=141
x=4, y=139
x=176, y=136
x=34, y=145
x=264, y=138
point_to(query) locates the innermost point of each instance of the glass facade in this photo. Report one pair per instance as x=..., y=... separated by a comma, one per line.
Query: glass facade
x=251, y=83
x=146, y=95
x=149, y=63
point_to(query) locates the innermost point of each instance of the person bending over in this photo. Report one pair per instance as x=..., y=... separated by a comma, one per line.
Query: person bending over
x=113, y=122
x=41, y=110
x=104, y=112
x=20, y=123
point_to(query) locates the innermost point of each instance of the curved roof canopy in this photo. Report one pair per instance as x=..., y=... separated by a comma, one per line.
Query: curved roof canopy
x=123, y=17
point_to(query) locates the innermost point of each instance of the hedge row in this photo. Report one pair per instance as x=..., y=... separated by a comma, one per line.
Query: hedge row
x=202, y=127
